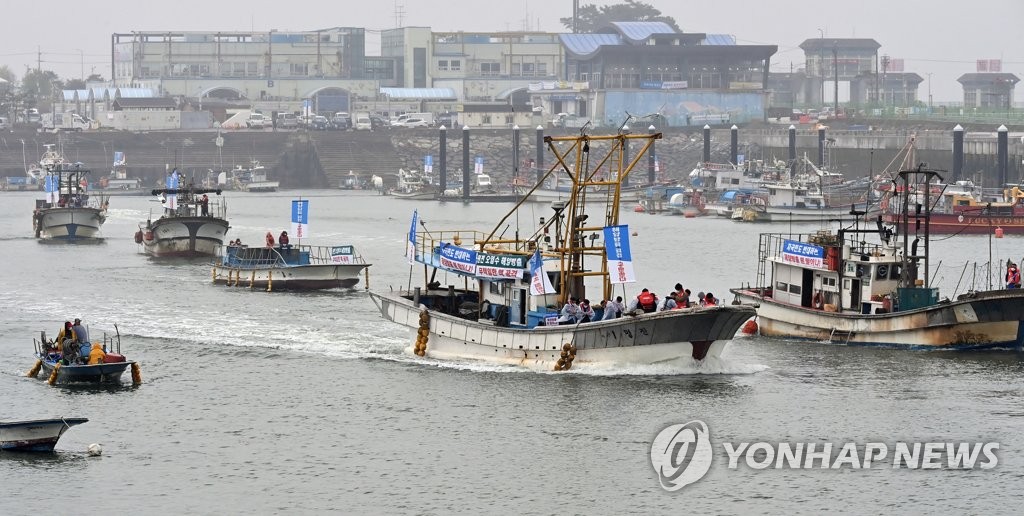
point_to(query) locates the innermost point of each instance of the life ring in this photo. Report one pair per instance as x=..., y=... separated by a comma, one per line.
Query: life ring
x=138, y=237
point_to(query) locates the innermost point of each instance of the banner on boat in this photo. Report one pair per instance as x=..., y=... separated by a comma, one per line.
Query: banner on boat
x=799, y=253
x=479, y=165
x=428, y=164
x=457, y=259
x=620, y=260
x=343, y=254
x=173, y=181
x=52, y=188
x=300, y=219
x=410, y=246
x=500, y=266
x=539, y=282
x=118, y=158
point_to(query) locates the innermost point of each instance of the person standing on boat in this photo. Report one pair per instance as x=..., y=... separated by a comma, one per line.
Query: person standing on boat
x=282, y=240
x=204, y=203
x=82, y=338
x=270, y=239
x=1012, y=276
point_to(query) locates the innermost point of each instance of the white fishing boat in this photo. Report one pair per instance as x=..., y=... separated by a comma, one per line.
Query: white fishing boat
x=501, y=310
x=414, y=186
x=299, y=267
x=192, y=223
x=796, y=201
x=118, y=182
x=253, y=178
x=36, y=435
x=68, y=212
x=840, y=288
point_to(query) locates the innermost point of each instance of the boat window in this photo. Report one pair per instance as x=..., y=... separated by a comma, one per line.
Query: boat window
x=794, y=289
x=781, y=287
x=882, y=272
x=894, y=271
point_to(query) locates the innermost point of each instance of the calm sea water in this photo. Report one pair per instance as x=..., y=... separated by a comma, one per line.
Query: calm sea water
x=258, y=402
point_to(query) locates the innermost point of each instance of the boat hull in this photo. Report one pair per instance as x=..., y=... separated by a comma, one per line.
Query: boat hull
x=96, y=373
x=298, y=277
x=35, y=436
x=185, y=236
x=989, y=320
x=967, y=224
x=787, y=214
x=69, y=223
x=644, y=339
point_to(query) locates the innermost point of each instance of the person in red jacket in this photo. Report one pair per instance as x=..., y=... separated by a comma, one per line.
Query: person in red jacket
x=647, y=301
x=1012, y=276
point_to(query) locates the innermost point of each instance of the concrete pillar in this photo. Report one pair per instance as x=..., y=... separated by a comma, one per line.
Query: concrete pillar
x=1002, y=155
x=958, y=153
x=652, y=158
x=540, y=153
x=442, y=159
x=734, y=145
x=466, y=172
x=707, y=143
x=792, y=149
x=821, y=147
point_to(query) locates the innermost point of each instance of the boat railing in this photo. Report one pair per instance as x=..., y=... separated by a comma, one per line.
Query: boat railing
x=244, y=257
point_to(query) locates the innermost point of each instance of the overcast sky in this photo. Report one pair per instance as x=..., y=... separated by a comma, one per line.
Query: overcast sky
x=941, y=37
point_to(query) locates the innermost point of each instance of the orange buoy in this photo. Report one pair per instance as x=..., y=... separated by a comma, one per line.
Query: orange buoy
x=750, y=327
x=999, y=232
x=689, y=215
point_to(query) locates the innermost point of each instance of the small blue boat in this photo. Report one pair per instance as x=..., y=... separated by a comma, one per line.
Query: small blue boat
x=61, y=365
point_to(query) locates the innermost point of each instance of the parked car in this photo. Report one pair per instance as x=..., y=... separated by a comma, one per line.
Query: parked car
x=319, y=123
x=414, y=122
x=287, y=121
x=363, y=123
x=257, y=121
x=377, y=122
x=341, y=121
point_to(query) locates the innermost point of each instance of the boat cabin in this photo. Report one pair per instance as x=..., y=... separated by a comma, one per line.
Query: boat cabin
x=816, y=272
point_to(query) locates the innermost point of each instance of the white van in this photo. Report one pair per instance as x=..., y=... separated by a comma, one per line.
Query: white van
x=363, y=122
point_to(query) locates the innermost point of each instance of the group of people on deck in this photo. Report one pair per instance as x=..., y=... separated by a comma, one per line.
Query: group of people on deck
x=282, y=240
x=575, y=311
x=73, y=343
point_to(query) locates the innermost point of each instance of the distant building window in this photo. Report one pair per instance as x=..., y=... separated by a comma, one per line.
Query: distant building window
x=542, y=69
x=442, y=65
x=486, y=119
x=490, y=68
x=456, y=65
x=298, y=69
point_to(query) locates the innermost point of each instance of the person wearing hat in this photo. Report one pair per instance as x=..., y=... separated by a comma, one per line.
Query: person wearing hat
x=1012, y=276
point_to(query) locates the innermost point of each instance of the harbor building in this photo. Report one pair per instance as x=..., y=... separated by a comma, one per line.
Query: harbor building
x=988, y=90
x=852, y=62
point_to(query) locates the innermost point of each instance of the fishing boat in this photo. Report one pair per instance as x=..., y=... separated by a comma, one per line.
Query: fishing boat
x=192, y=223
x=414, y=186
x=502, y=310
x=37, y=435
x=67, y=361
x=838, y=287
x=300, y=267
x=118, y=182
x=253, y=178
x=963, y=209
x=68, y=212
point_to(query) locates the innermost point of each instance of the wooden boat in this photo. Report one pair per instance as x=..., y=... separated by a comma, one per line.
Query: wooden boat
x=506, y=312
x=299, y=267
x=842, y=289
x=187, y=228
x=37, y=435
x=63, y=362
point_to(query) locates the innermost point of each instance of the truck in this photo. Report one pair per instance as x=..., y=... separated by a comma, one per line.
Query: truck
x=56, y=122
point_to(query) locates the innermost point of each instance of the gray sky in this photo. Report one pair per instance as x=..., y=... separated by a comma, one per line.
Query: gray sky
x=941, y=37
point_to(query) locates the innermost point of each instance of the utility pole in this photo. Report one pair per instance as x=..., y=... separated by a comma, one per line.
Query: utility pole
x=929, y=74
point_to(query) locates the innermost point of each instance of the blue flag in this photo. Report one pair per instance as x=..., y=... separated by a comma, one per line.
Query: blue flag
x=410, y=248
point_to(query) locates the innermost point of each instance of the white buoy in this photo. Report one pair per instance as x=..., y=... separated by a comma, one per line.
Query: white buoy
x=95, y=450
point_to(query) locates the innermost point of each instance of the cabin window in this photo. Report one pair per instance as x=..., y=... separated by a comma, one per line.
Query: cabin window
x=882, y=272
x=894, y=271
x=794, y=289
x=781, y=287
x=828, y=282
